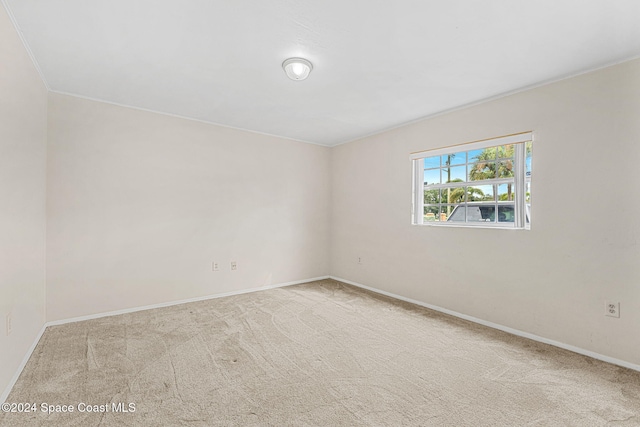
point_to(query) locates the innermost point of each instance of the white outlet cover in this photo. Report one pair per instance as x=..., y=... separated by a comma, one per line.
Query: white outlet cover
x=612, y=309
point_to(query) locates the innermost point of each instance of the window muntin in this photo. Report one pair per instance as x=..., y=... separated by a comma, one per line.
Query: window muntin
x=486, y=183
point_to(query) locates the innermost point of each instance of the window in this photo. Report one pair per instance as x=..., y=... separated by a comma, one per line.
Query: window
x=485, y=183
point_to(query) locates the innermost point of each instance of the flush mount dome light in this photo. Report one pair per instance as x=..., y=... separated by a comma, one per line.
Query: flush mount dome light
x=297, y=68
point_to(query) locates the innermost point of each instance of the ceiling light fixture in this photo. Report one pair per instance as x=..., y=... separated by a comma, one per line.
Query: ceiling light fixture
x=297, y=68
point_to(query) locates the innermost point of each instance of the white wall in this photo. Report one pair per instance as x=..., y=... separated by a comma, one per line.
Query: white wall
x=140, y=204
x=551, y=281
x=23, y=127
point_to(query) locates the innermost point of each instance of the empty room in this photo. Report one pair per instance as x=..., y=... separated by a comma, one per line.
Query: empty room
x=298, y=213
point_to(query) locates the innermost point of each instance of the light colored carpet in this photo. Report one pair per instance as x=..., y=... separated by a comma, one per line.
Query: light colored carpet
x=322, y=353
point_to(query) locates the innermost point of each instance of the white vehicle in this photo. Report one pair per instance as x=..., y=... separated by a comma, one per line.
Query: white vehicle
x=483, y=212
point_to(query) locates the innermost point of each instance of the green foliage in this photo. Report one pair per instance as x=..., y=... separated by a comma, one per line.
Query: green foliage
x=488, y=166
x=491, y=163
x=453, y=195
x=457, y=195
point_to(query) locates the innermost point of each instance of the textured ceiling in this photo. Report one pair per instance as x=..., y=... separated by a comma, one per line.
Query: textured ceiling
x=377, y=64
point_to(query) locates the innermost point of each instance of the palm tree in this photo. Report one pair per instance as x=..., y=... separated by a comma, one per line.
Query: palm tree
x=457, y=195
x=486, y=165
x=448, y=163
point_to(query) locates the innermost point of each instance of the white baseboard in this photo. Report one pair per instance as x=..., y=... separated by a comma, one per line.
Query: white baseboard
x=25, y=359
x=183, y=301
x=517, y=332
x=5, y=394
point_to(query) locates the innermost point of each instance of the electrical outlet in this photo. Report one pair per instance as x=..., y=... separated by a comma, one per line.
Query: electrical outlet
x=215, y=266
x=234, y=265
x=612, y=309
x=9, y=324
x=360, y=260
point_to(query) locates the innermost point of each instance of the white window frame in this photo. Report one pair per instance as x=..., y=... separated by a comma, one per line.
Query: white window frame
x=519, y=181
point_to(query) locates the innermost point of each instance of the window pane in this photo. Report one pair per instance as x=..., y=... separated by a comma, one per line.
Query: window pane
x=458, y=213
x=482, y=170
x=487, y=154
x=479, y=193
x=431, y=213
x=453, y=195
x=506, y=193
x=476, y=201
x=505, y=213
x=432, y=162
x=454, y=174
x=475, y=155
x=528, y=158
x=432, y=197
x=506, y=151
x=505, y=169
x=481, y=213
x=454, y=159
x=435, y=213
x=432, y=176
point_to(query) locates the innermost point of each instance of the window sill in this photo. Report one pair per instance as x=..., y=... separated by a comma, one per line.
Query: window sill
x=482, y=226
